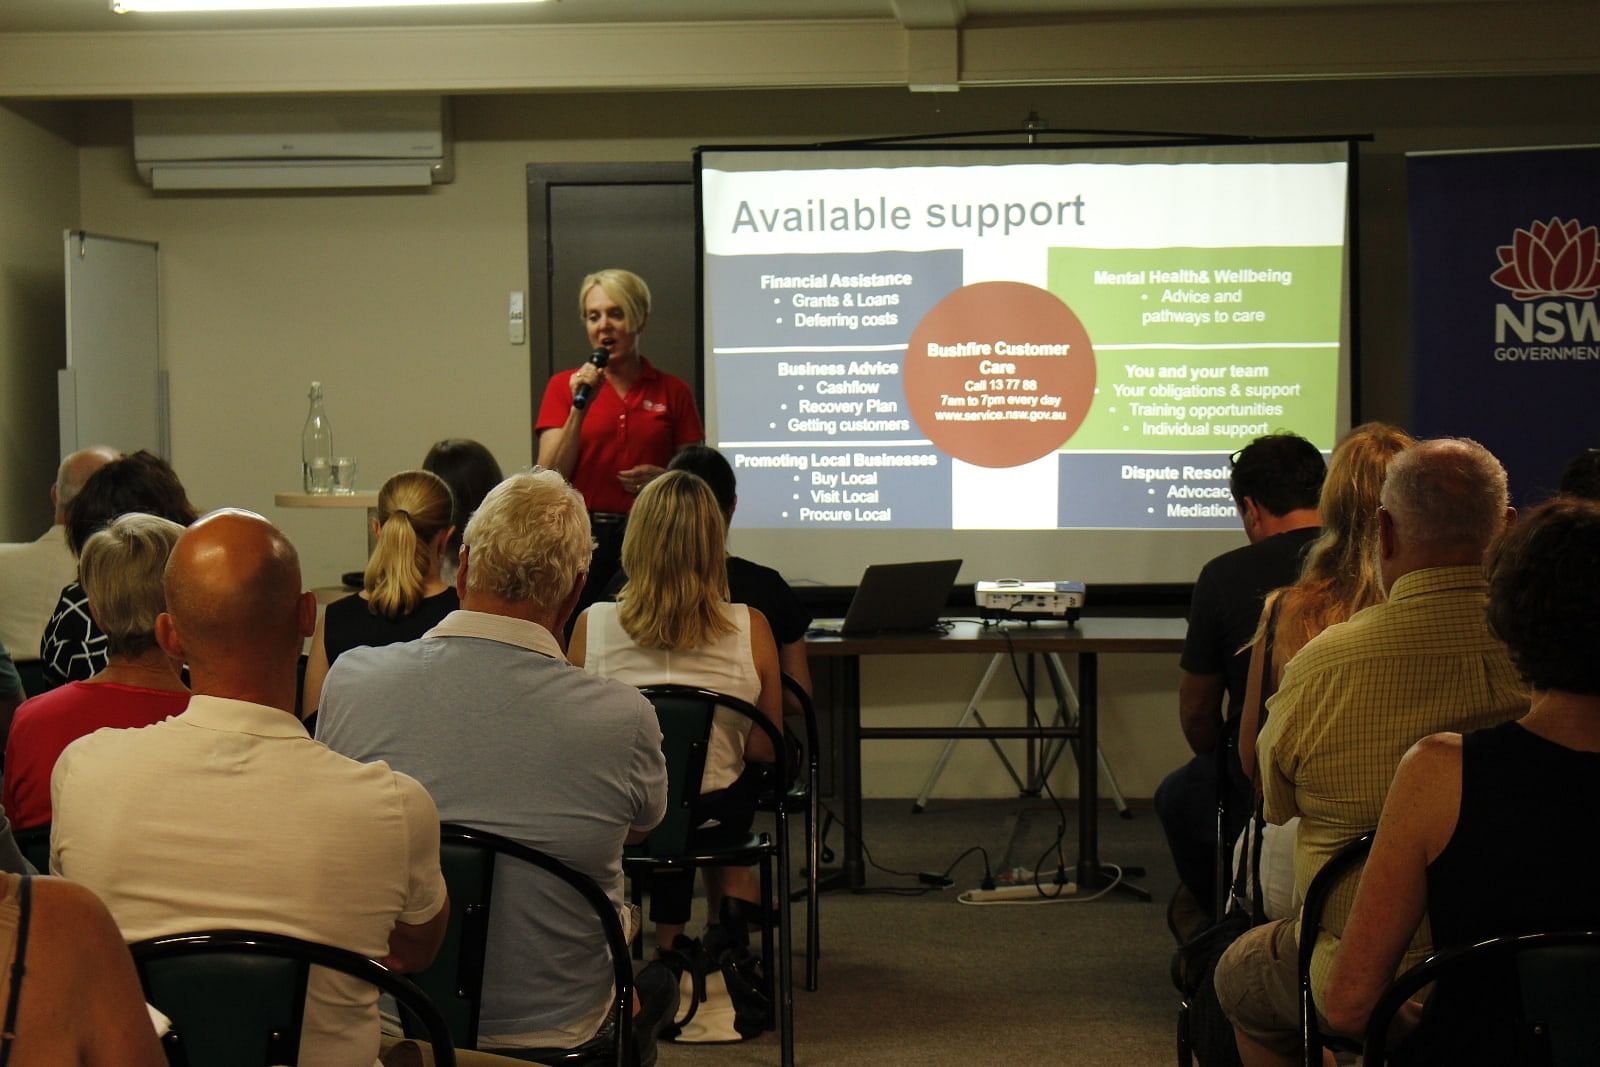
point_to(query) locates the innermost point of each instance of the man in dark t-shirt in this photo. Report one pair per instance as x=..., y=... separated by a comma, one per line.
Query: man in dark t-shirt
x=1275, y=484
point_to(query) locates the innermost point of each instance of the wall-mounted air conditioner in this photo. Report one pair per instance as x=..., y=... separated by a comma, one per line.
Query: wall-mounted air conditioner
x=313, y=142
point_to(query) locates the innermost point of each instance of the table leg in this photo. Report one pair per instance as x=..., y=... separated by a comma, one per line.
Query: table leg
x=844, y=689
x=1088, y=770
x=1089, y=875
x=855, y=868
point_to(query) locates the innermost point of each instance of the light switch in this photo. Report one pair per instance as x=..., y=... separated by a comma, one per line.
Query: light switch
x=517, y=324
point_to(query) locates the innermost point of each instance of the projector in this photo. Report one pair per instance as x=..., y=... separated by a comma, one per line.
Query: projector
x=1013, y=597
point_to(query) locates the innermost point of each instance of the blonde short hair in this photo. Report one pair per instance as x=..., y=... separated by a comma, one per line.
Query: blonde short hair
x=529, y=540
x=674, y=555
x=626, y=288
x=121, y=570
x=414, y=507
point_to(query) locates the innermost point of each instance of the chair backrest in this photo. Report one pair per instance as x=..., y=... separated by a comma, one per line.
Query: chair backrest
x=685, y=717
x=685, y=713
x=455, y=979
x=236, y=997
x=1556, y=975
x=34, y=844
x=1339, y=865
x=1559, y=974
x=809, y=738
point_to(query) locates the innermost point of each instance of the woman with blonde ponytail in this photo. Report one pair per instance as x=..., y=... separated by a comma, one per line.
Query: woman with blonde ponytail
x=402, y=595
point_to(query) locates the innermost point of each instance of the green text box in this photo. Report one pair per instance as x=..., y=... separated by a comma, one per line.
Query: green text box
x=1152, y=399
x=1189, y=296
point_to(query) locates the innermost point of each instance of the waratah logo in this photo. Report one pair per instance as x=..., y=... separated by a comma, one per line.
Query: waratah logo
x=1550, y=260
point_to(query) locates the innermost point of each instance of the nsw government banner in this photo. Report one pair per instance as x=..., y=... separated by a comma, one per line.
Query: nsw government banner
x=1505, y=305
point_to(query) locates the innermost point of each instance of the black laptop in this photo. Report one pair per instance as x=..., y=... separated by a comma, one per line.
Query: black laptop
x=900, y=597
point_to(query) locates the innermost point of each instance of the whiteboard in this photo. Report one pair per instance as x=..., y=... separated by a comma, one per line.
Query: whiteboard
x=113, y=390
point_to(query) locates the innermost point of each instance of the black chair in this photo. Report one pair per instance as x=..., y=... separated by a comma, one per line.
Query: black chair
x=685, y=714
x=34, y=844
x=454, y=981
x=236, y=997
x=1328, y=879
x=805, y=796
x=1553, y=1014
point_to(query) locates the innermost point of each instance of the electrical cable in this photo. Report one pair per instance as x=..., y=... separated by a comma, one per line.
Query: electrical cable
x=1059, y=898
x=918, y=890
x=1057, y=891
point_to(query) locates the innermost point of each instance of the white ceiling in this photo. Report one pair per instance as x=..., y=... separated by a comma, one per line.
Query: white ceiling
x=52, y=16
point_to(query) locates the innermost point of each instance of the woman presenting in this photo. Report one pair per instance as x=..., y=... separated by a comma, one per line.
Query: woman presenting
x=610, y=430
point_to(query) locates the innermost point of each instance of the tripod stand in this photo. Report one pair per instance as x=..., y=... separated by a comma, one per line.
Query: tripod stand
x=1041, y=759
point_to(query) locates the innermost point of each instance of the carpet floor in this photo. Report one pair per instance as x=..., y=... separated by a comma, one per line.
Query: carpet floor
x=927, y=980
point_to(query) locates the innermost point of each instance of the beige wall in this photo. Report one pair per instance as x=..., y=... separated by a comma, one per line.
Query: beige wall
x=395, y=302
x=39, y=173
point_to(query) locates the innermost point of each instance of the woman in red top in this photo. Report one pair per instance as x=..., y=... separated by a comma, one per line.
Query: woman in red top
x=121, y=571
x=634, y=420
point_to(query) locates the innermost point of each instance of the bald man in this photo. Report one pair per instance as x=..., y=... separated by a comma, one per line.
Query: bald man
x=230, y=816
x=32, y=573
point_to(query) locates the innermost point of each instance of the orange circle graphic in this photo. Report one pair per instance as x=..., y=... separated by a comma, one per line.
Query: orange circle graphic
x=999, y=374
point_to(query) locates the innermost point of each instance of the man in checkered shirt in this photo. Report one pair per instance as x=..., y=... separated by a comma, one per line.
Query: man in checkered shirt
x=1358, y=696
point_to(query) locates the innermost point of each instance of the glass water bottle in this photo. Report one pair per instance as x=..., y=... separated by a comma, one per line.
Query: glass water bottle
x=316, y=447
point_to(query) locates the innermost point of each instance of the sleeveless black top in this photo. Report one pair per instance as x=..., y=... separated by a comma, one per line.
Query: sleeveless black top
x=348, y=624
x=1523, y=859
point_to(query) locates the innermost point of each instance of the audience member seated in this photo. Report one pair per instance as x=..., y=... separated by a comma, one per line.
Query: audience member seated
x=230, y=816
x=1362, y=692
x=11, y=859
x=672, y=624
x=470, y=470
x=1274, y=481
x=75, y=994
x=1582, y=476
x=121, y=570
x=1340, y=578
x=1490, y=835
x=508, y=737
x=402, y=595
x=11, y=692
x=748, y=583
x=33, y=572
x=73, y=648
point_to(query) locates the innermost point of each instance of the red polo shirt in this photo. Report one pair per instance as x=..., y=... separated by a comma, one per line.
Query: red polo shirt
x=649, y=425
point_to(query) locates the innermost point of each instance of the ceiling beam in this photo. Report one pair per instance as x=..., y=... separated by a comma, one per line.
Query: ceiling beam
x=930, y=14
x=1222, y=45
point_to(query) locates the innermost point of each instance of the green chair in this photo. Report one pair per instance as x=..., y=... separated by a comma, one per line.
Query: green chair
x=1553, y=1012
x=34, y=844
x=805, y=796
x=454, y=981
x=1333, y=873
x=236, y=997
x=685, y=714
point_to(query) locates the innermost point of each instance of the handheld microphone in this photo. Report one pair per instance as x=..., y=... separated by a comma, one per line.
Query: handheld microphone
x=599, y=357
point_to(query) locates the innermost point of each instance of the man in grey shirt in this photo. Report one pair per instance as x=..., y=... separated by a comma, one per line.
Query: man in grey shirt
x=508, y=737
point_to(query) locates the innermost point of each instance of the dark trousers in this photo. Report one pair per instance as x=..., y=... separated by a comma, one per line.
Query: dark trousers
x=1186, y=804
x=734, y=808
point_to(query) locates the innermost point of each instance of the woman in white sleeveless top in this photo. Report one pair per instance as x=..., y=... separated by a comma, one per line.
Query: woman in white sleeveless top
x=672, y=624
